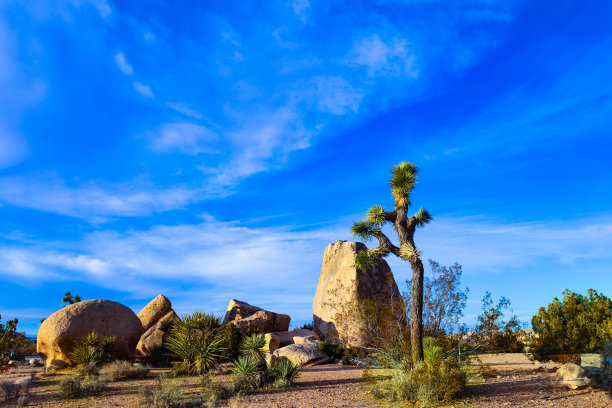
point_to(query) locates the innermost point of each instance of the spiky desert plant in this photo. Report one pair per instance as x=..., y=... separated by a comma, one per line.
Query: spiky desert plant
x=194, y=340
x=253, y=346
x=284, y=373
x=403, y=181
x=93, y=349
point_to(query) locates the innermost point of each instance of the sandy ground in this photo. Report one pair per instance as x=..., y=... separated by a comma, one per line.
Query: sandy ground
x=508, y=380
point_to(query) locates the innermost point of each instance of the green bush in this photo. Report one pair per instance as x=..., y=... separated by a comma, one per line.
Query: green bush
x=77, y=387
x=232, y=338
x=196, y=343
x=166, y=393
x=424, y=383
x=338, y=351
x=283, y=373
x=308, y=326
x=93, y=348
x=578, y=324
x=123, y=370
x=253, y=346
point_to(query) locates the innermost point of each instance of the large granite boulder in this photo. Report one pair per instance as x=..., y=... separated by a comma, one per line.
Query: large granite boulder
x=303, y=354
x=152, y=317
x=343, y=287
x=286, y=337
x=572, y=376
x=248, y=317
x=154, y=336
x=155, y=310
x=61, y=332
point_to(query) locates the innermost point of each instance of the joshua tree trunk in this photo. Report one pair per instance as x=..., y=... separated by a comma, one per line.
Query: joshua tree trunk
x=416, y=311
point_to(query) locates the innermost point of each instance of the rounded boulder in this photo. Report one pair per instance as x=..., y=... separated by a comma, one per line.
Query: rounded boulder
x=61, y=332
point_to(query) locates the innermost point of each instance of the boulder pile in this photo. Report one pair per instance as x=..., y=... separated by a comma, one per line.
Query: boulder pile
x=152, y=316
x=248, y=317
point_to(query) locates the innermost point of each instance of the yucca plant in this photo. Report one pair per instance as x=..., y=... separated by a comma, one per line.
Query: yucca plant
x=432, y=353
x=284, y=373
x=195, y=342
x=253, y=346
x=248, y=372
x=403, y=181
x=93, y=349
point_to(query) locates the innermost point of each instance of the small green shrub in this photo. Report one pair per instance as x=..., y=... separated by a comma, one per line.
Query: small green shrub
x=253, y=346
x=93, y=348
x=157, y=357
x=247, y=366
x=88, y=370
x=427, y=384
x=77, y=387
x=123, y=370
x=232, y=338
x=308, y=326
x=212, y=391
x=195, y=341
x=283, y=373
x=338, y=351
x=166, y=393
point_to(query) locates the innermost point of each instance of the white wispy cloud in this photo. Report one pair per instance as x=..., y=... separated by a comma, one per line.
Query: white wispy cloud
x=13, y=148
x=122, y=63
x=386, y=58
x=93, y=200
x=144, y=90
x=185, y=110
x=184, y=137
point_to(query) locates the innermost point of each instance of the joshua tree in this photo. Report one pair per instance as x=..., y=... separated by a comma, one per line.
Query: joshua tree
x=69, y=299
x=403, y=180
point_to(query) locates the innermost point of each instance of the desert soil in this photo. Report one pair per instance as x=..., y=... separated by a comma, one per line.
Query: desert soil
x=508, y=380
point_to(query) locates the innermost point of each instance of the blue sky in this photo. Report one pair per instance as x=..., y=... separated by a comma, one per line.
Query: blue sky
x=211, y=150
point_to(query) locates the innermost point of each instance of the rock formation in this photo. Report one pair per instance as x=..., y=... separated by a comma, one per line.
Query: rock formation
x=61, y=332
x=247, y=317
x=342, y=287
x=286, y=337
x=572, y=376
x=303, y=354
x=152, y=316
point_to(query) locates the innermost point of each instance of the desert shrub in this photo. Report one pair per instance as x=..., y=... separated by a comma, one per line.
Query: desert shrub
x=195, y=341
x=308, y=326
x=338, y=350
x=247, y=366
x=77, y=387
x=232, y=338
x=253, y=346
x=212, y=391
x=283, y=373
x=495, y=333
x=166, y=393
x=123, y=370
x=10, y=390
x=88, y=370
x=157, y=357
x=428, y=384
x=578, y=324
x=93, y=348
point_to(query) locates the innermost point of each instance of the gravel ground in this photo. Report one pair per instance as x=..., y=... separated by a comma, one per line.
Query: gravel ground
x=508, y=380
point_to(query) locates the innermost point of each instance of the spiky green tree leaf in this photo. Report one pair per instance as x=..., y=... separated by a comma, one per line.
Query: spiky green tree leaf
x=403, y=180
x=362, y=230
x=376, y=216
x=366, y=260
x=422, y=217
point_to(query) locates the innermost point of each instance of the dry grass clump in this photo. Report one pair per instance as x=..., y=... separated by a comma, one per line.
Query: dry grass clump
x=123, y=370
x=9, y=389
x=77, y=387
x=166, y=393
